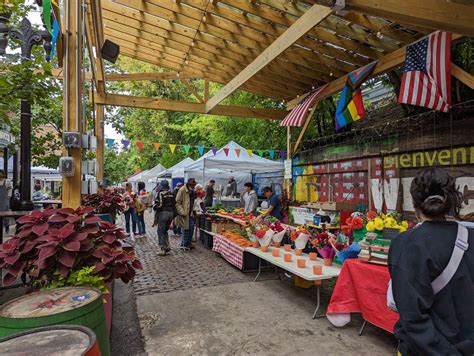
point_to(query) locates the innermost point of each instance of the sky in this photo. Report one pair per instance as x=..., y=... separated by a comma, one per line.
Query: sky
x=35, y=18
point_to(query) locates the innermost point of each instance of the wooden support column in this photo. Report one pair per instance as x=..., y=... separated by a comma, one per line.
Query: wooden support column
x=99, y=132
x=72, y=108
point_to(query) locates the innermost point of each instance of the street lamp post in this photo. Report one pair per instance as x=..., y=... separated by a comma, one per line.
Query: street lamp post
x=28, y=37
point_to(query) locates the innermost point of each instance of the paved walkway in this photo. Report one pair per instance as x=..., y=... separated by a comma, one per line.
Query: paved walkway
x=195, y=303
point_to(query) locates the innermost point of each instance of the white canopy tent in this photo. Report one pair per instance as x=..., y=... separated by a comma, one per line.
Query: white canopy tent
x=176, y=170
x=231, y=160
x=150, y=177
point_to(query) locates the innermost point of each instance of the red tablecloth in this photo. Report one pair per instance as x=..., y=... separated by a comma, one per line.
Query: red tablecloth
x=362, y=288
x=233, y=253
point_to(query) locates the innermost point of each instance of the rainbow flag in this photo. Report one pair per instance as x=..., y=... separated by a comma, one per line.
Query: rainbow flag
x=350, y=107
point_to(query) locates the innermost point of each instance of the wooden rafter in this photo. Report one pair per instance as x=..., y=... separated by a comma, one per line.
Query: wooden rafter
x=98, y=39
x=180, y=106
x=193, y=91
x=312, y=17
x=435, y=14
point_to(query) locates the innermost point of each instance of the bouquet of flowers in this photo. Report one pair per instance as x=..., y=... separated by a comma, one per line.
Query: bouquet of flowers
x=264, y=234
x=300, y=236
x=378, y=222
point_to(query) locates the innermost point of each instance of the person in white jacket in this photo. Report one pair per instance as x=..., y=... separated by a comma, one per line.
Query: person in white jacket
x=249, y=199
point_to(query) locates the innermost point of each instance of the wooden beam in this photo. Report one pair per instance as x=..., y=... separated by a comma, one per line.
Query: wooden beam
x=98, y=26
x=312, y=17
x=181, y=106
x=117, y=77
x=462, y=75
x=72, y=103
x=435, y=14
x=193, y=91
x=305, y=127
x=385, y=64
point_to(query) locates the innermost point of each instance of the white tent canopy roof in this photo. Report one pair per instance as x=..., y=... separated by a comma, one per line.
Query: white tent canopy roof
x=152, y=174
x=233, y=162
x=136, y=177
x=176, y=168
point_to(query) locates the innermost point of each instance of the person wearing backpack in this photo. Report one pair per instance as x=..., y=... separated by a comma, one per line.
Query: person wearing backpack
x=165, y=211
x=432, y=273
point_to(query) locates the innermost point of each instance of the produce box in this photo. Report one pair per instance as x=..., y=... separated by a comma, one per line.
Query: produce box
x=217, y=227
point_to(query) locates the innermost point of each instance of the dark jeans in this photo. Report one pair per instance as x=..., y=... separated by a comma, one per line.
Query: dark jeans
x=141, y=223
x=164, y=221
x=187, y=234
x=131, y=214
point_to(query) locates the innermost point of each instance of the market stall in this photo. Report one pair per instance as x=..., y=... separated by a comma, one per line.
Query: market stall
x=176, y=172
x=149, y=177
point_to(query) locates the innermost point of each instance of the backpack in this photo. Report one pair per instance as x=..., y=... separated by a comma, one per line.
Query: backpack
x=139, y=206
x=460, y=245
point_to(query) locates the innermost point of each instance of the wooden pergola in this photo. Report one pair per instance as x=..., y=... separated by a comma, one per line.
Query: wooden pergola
x=280, y=49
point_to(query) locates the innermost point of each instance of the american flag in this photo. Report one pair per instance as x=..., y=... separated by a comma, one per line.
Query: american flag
x=426, y=77
x=296, y=116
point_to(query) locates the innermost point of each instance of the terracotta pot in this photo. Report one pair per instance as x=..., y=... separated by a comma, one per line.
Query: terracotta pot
x=276, y=244
x=255, y=244
x=264, y=248
x=276, y=252
x=328, y=261
x=317, y=270
x=287, y=247
x=298, y=252
x=287, y=257
x=313, y=256
x=301, y=263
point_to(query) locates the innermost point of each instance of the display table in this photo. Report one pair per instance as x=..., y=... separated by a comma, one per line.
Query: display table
x=231, y=252
x=291, y=267
x=362, y=288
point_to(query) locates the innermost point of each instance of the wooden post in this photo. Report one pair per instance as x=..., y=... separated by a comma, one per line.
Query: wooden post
x=72, y=91
x=206, y=90
x=99, y=132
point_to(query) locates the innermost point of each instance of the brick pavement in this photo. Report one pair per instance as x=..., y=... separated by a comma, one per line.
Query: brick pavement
x=179, y=270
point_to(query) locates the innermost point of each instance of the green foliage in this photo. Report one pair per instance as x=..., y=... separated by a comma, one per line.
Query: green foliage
x=79, y=278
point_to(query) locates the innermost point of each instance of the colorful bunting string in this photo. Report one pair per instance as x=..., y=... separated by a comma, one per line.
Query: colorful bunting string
x=271, y=153
x=260, y=152
x=214, y=150
x=237, y=152
x=139, y=145
x=186, y=149
x=200, y=150
x=125, y=144
x=110, y=143
x=226, y=151
x=172, y=147
x=157, y=146
x=282, y=154
x=249, y=152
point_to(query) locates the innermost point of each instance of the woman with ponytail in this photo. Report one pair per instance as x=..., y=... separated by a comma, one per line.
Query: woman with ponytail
x=433, y=322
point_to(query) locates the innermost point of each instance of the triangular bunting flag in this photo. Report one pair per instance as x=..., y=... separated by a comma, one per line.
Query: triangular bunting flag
x=157, y=146
x=271, y=153
x=110, y=143
x=260, y=152
x=172, y=147
x=47, y=15
x=200, y=150
x=249, y=152
x=282, y=154
x=186, y=149
x=237, y=152
x=226, y=151
x=55, y=37
x=214, y=150
x=125, y=144
x=139, y=145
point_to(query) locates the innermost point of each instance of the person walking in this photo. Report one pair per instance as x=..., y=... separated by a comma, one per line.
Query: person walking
x=5, y=195
x=185, y=209
x=130, y=214
x=436, y=313
x=142, y=203
x=176, y=228
x=165, y=209
x=208, y=200
x=249, y=199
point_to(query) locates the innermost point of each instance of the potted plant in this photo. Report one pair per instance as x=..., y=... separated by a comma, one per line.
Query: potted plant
x=107, y=205
x=53, y=244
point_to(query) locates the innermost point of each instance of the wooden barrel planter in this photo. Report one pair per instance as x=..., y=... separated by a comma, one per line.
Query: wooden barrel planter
x=52, y=340
x=65, y=306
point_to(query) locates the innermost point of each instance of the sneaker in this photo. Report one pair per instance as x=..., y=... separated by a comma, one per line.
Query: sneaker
x=184, y=248
x=162, y=252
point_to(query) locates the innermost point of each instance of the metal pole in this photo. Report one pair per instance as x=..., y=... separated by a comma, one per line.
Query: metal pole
x=5, y=161
x=15, y=168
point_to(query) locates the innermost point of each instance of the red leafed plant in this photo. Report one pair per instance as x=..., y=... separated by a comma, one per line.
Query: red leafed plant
x=65, y=240
x=108, y=202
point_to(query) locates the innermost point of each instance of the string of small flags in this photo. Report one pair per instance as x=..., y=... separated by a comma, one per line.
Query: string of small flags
x=188, y=149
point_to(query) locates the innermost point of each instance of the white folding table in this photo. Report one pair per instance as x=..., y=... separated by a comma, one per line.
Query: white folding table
x=292, y=267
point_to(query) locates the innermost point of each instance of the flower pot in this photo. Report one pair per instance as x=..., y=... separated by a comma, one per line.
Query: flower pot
x=301, y=241
x=298, y=252
x=287, y=257
x=317, y=270
x=328, y=261
x=278, y=236
x=287, y=247
x=301, y=263
x=267, y=238
x=276, y=252
x=276, y=244
x=313, y=256
x=265, y=248
x=255, y=244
